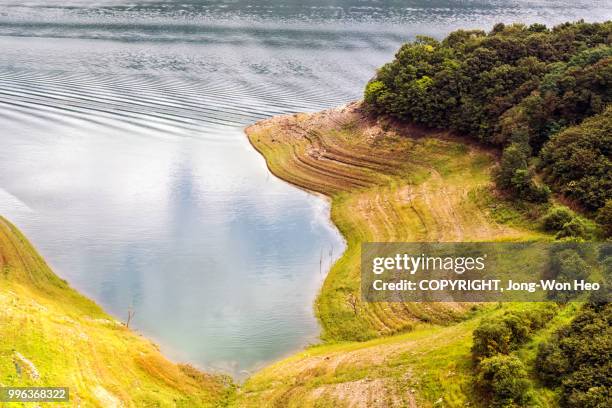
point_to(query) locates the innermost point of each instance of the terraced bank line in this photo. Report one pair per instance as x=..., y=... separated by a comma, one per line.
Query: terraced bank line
x=385, y=183
x=400, y=184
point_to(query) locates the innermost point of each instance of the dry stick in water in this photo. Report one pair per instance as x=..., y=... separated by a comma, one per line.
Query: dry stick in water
x=321, y=263
x=131, y=313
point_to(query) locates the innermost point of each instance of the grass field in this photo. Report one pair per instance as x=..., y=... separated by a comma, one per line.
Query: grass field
x=385, y=183
x=52, y=336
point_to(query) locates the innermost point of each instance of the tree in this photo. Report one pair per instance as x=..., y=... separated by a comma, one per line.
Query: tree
x=577, y=162
x=514, y=158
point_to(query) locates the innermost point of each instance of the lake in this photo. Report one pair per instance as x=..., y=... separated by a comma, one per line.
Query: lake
x=123, y=157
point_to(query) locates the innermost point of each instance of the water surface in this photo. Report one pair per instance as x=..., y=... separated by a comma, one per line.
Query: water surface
x=123, y=158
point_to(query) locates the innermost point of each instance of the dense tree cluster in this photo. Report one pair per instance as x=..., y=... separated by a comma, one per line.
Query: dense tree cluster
x=577, y=359
x=577, y=161
x=505, y=333
x=501, y=377
x=528, y=89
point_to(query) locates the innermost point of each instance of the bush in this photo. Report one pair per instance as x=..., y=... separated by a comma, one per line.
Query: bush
x=503, y=334
x=538, y=193
x=491, y=337
x=567, y=266
x=513, y=175
x=539, y=318
x=557, y=217
x=604, y=218
x=567, y=224
x=576, y=228
x=551, y=364
x=519, y=325
x=604, y=295
x=524, y=187
x=501, y=377
x=373, y=91
x=504, y=381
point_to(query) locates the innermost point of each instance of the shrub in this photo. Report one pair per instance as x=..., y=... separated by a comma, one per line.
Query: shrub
x=523, y=186
x=567, y=266
x=567, y=224
x=557, y=217
x=519, y=325
x=538, y=193
x=501, y=377
x=604, y=295
x=504, y=381
x=539, y=318
x=604, y=218
x=576, y=228
x=551, y=364
x=373, y=91
x=501, y=335
x=491, y=337
x=513, y=175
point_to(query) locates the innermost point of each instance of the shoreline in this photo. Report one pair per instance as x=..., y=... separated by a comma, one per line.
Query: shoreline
x=73, y=342
x=342, y=156
x=386, y=182
x=311, y=152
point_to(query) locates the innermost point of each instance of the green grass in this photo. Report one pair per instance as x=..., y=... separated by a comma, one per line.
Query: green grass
x=430, y=364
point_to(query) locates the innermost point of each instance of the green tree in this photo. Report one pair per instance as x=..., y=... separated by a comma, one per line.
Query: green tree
x=515, y=85
x=577, y=162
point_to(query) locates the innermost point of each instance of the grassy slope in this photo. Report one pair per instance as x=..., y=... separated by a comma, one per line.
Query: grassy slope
x=71, y=342
x=385, y=185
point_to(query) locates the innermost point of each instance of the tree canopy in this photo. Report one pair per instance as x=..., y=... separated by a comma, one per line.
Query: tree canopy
x=526, y=88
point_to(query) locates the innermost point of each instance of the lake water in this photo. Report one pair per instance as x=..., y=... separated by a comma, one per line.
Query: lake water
x=122, y=155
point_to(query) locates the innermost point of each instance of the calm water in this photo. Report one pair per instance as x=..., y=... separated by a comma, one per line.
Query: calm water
x=123, y=159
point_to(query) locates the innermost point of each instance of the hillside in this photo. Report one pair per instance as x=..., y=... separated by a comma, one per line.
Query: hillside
x=386, y=182
x=71, y=342
x=404, y=184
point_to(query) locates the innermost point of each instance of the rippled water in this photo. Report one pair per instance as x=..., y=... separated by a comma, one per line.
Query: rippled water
x=123, y=158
